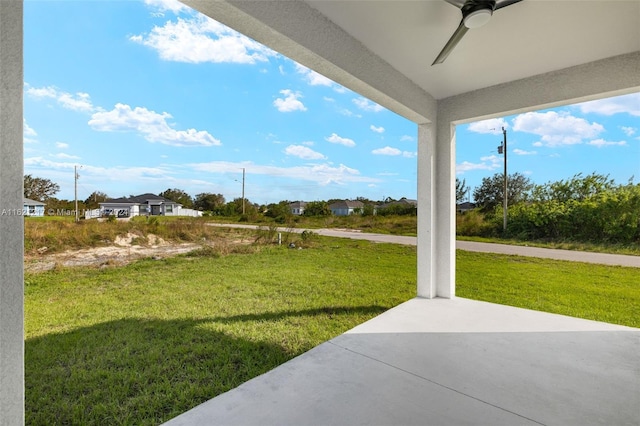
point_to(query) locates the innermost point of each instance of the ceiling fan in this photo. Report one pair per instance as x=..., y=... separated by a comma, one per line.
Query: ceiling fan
x=475, y=13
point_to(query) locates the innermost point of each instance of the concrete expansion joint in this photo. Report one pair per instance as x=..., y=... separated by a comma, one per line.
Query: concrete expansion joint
x=433, y=382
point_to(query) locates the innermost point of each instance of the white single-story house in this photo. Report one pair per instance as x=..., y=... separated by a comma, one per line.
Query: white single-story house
x=33, y=208
x=144, y=205
x=346, y=207
x=297, y=207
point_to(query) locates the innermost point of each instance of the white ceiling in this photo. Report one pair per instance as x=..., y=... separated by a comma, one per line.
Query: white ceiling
x=383, y=49
x=525, y=39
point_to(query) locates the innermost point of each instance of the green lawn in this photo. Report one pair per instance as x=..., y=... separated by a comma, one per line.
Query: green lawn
x=143, y=343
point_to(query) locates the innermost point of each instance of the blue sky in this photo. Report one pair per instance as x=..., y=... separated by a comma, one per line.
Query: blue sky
x=148, y=95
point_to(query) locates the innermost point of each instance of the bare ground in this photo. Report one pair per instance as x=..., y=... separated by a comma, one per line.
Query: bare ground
x=120, y=253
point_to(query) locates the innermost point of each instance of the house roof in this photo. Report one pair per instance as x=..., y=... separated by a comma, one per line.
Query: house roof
x=30, y=202
x=297, y=204
x=346, y=204
x=466, y=205
x=139, y=199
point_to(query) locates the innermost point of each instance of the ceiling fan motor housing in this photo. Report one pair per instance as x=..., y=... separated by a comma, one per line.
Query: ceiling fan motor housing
x=476, y=13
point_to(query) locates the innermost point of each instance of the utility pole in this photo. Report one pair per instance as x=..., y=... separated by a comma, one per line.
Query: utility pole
x=502, y=149
x=75, y=189
x=243, y=190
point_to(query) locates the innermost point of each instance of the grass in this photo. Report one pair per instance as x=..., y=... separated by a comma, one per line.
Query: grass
x=619, y=248
x=602, y=293
x=143, y=343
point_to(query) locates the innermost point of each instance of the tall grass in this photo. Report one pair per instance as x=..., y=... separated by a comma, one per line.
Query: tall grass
x=59, y=235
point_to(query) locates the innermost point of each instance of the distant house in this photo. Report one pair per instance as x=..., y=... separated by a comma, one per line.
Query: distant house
x=346, y=208
x=465, y=207
x=297, y=208
x=144, y=205
x=33, y=208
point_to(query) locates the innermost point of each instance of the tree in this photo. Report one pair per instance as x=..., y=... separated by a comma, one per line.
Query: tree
x=93, y=200
x=490, y=193
x=280, y=211
x=39, y=189
x=234, y=207
x=577, y=188
x=461, y=190
x=317, y=208
x=208, y=202
x=179, y=196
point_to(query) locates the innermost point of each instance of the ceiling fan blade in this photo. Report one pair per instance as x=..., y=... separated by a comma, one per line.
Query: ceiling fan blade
x=505, y=3
x=451, y=44
x=456, y=3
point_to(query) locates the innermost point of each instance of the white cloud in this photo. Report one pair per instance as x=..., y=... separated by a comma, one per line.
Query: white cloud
x=150, y=124
x=348, y=113
x=491, y=162
x=387, y=150
x=201, y=39
x=308, y=143
x=28, y=133
x=290, y=102
x=629, y=131
x=629, y=104
x=322, y=174
x=312, y=77
x=166, y=5
x=334, y=138
x=102, y=174
x=303, y=152
x=62, y=145
x=328, y=99
x=377, y=129
x=79, y=102
x=366, y=105
x=556, y=129
x=492, y=126
x=518, y=151
x=601, y=143
x=65, y=156
x=42, y=92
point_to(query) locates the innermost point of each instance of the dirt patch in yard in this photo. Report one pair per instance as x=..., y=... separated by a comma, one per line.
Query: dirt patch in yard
x=126, y=249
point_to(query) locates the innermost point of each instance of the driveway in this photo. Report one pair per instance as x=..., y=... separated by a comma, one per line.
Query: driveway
x=570, y=255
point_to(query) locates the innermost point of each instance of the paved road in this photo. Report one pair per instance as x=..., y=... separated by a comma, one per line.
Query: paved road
x=571, y=255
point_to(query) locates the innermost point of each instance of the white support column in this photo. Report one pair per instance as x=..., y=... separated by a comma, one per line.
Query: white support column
x=436, y=210
x=11, y=222
x=445, y=213
x=426, y=211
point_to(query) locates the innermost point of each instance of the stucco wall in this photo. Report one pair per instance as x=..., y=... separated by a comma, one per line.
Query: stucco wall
x=11, y=225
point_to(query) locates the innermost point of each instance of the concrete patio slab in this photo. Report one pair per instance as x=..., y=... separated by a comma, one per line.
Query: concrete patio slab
x=448, y=362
